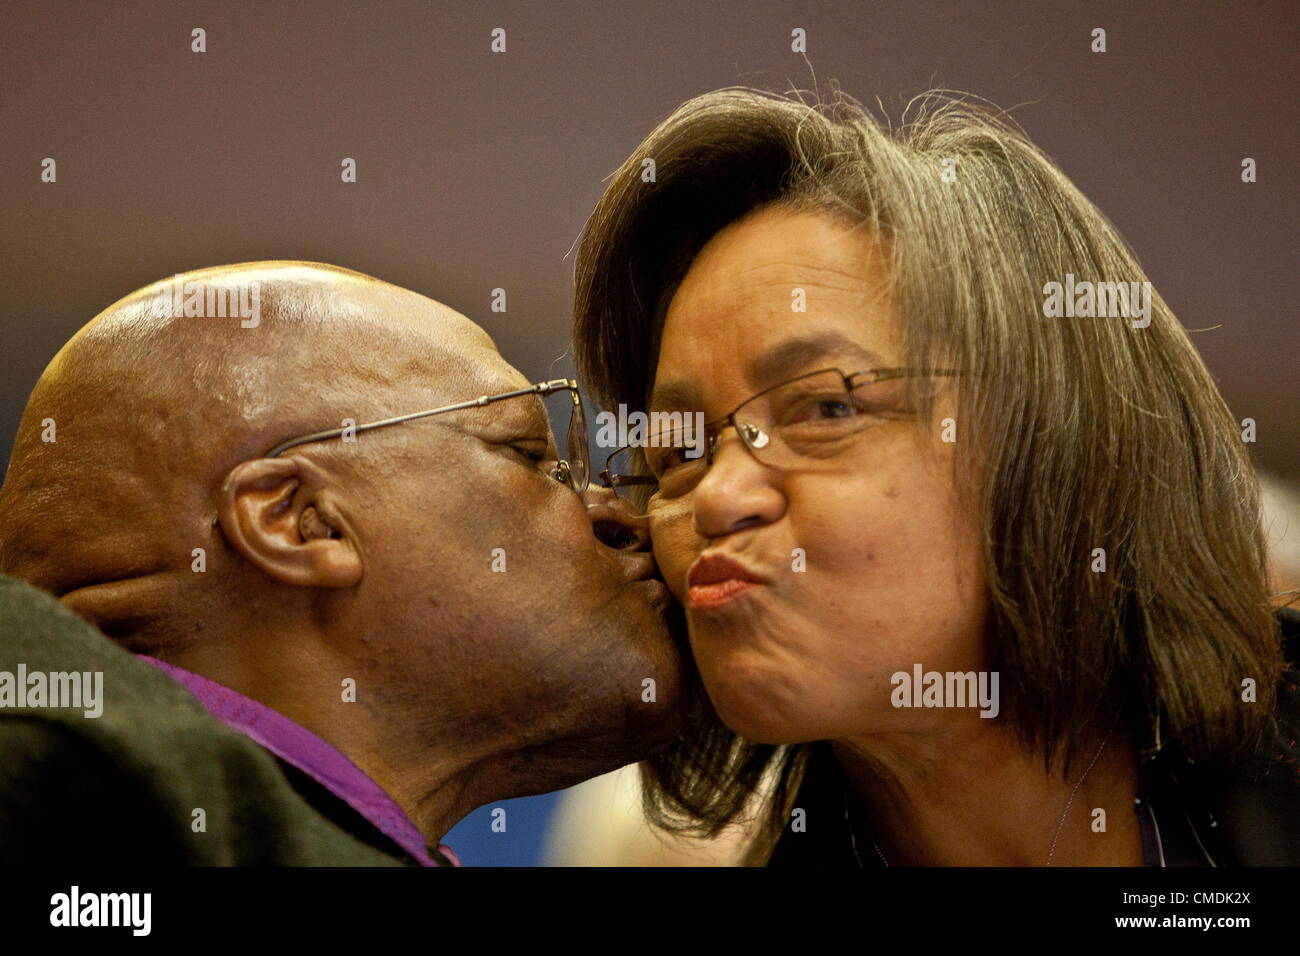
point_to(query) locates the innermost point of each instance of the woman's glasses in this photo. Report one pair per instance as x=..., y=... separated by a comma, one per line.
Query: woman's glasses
x=795, y=424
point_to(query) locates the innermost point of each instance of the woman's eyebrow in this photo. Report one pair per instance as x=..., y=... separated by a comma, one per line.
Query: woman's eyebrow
x=794, y=355
x=782, y=360
x=673, y=395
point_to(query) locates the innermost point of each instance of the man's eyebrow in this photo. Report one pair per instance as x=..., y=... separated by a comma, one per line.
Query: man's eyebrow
x=794, y=355
x=532, y=408
x=520, y=411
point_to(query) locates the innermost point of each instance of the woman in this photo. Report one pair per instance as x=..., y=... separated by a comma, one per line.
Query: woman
x=971, y=561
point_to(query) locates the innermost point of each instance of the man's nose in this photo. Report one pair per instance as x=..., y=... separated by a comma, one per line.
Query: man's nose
x=614, y=522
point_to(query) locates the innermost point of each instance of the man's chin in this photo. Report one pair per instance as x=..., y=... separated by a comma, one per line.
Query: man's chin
x=655, y=624
x=656, y=708
x=666, y=716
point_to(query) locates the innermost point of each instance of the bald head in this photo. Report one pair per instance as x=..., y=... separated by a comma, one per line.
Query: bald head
x=141, y=413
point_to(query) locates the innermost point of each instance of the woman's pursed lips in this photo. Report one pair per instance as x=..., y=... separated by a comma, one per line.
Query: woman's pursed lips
x=716, y=579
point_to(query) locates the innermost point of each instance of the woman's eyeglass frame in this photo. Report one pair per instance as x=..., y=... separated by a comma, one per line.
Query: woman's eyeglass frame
x=753, y=436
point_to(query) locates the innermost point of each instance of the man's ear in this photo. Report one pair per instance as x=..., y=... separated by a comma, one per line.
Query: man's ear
x=278, y=514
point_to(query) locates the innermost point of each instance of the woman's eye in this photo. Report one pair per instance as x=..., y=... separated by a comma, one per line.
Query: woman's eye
x=665, y=459
x=823, y=408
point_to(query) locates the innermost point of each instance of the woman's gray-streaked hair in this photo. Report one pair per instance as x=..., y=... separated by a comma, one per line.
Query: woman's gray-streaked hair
x=1087, y=432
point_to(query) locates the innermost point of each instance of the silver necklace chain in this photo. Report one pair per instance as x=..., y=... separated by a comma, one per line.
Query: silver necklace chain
x=1059, y=824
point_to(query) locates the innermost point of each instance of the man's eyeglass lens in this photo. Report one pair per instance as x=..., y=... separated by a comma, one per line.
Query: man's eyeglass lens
x=567, y=419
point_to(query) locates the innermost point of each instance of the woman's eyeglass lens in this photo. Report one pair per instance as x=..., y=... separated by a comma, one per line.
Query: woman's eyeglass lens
x=807, y=418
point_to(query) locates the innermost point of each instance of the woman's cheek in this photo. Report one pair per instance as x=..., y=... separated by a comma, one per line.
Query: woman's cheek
x=674, y=552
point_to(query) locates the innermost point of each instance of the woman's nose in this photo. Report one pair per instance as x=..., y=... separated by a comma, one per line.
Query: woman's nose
x=614, y=522
x=737, y=491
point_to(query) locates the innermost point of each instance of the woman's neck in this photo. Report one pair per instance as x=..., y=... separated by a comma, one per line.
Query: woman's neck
x=972, y=796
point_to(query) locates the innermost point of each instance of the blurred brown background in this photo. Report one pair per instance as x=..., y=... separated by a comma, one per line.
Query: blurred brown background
x=477, y=170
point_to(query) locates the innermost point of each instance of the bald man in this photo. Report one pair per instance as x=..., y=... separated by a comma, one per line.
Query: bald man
x=384, y=628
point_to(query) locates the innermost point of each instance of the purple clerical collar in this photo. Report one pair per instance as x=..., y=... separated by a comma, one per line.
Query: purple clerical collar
x=298, y=746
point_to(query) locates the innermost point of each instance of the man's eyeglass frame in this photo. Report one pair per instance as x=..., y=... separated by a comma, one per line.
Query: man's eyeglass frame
x=567, y=471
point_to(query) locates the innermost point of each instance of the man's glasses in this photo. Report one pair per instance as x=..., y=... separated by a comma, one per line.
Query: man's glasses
x=573, y=471
x=795, y=424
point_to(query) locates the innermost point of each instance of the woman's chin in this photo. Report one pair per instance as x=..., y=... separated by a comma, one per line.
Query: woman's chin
x=754, y=712
x=763, y=735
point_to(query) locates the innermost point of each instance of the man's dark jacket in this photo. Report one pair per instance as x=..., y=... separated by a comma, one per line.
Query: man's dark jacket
x=122, y=788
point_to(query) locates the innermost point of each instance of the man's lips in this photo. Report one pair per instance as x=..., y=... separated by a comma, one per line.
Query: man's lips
x=715, y=579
